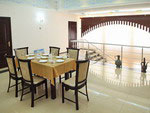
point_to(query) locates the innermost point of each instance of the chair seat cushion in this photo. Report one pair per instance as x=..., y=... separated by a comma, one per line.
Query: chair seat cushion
x=37, y=79
x=70, y=81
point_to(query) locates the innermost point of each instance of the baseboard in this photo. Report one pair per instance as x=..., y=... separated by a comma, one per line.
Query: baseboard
x=3, y=70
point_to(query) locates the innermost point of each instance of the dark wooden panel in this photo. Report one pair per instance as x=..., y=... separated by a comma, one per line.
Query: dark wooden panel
x=141, y=20
x=5, y=40
x=3, y=37
x=72, y=32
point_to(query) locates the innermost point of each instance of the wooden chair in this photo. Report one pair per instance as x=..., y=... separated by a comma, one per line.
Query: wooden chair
x=31, y=81
x=72, y=53
x=77, y=82
x=54, y=50
x=21, y=51
x=13, y=73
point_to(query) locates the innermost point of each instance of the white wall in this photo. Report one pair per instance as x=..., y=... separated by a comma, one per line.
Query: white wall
x=25, y=26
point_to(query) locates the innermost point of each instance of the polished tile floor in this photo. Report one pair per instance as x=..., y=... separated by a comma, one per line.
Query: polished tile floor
x=110, y=90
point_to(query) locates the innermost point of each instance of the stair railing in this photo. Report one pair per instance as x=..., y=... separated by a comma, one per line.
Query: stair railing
x=92, y=44
x=119, y=45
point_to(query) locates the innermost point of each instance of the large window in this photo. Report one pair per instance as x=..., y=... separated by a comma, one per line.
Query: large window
x=124, y=35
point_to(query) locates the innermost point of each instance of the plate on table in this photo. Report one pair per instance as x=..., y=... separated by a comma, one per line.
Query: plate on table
x=45, y=54
x=59, y=61
x=59, y=57
x=30, y=54
x=43, y=57
x=30, y=58
x=42, y=61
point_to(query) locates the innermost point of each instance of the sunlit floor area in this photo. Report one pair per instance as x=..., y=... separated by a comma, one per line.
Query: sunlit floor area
x=110, y=90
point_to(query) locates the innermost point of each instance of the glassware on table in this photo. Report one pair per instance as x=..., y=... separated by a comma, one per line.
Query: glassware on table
x=50, y=58
x=53, y=55
x=68, y=55
x=53, y=61
x=65, y=57
x=38, y=57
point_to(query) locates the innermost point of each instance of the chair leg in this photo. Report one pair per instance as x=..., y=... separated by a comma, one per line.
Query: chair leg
x=76, y=98
x=86, y=92
x=16, y=93
x=46, y=92
x=22, y=90
x=70, y=74
x=63, y=100
x=9, y=84
x=32, y=96
x=60, y=79
x=35, y=90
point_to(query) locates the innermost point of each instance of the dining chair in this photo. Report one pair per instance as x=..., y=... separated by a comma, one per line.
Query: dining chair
x=30, y=80
x=72, y=53
x=54, y=50
x=21, y=51
x=77, y=82
x=13, y=74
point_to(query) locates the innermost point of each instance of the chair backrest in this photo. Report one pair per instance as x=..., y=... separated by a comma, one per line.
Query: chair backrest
x=21, y=51
x=82, y=71
x=54, y=50
x=73, y=53
x=11, y=65
x=25, y=68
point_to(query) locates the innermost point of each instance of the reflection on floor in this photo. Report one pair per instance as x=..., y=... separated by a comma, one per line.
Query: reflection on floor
x=110, y=90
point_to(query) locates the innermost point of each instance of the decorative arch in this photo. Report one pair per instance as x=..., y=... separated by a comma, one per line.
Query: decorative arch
x=138, y=21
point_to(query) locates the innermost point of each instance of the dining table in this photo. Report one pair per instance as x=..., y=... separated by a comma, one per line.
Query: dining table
x=51, y=69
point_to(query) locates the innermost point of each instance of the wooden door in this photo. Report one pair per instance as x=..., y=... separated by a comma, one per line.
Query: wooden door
x=72, y=33
x=5, y=40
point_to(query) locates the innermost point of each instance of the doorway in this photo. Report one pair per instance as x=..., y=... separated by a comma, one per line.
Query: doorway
x=72, y=33
x=5, y=40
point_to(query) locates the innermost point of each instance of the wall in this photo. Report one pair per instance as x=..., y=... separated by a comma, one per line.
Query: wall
x=26, y=22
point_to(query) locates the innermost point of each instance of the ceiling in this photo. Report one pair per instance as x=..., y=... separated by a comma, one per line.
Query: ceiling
x=86, y=4
x=50, y=4
x=83, y=7
x=105, y=7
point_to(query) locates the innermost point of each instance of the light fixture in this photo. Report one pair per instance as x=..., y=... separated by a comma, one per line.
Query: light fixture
x=40, y=17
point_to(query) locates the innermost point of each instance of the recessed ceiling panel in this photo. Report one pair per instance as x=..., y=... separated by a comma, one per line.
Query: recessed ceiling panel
x=36, y=3
x=84, y=4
